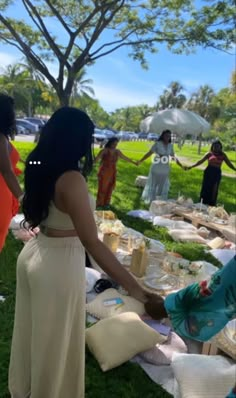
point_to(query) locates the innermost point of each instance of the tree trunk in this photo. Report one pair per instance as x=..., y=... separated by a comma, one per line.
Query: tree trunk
x=29, y=108
x=64, y=99
x=199, y=144
x=64, y=94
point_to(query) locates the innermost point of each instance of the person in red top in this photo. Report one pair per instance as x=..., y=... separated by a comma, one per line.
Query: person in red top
x=10, y=190
x=212, y=174
x=107, y=171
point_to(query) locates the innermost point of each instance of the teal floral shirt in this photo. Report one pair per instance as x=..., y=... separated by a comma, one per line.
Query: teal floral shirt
x=201, y=310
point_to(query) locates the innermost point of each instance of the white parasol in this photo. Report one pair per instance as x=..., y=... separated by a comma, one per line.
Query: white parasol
x=179, y=121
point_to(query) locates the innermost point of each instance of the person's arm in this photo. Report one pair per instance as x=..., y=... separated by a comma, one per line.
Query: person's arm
x=72, y=192
x=123, y=157
x=229, y=163
x=173, y=157
x=146, y=156
x=99, y=156
x=202, y=160
x=6, y=169
x=178, y=162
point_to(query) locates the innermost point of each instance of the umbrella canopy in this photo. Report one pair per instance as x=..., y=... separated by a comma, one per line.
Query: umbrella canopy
x=179, y=121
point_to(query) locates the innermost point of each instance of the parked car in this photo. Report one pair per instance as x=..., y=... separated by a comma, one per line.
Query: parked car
x=35, y=120
x=142, y=136
x=123, y=136
x=152, y=137
x=99, y=135
x=132, y=136
x=109, y=134
x=33, y=128
x=21, y=130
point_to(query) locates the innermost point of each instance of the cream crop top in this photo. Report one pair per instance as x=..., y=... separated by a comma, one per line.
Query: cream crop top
x=59, y=220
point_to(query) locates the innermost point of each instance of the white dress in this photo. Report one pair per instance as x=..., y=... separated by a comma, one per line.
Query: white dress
x=158, y=183
x=48, y=344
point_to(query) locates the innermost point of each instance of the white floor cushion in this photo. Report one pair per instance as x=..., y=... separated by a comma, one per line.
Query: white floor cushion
x=203, y=376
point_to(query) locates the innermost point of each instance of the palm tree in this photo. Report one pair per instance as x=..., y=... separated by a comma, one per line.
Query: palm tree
x=15, y=81
x=172, y=97
x=36, y=82
x=201, y=102
x=82, y=87
x=12, y=79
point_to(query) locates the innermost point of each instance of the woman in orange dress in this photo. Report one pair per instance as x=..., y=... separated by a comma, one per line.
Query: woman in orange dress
x=10, y=191
x=107, y=171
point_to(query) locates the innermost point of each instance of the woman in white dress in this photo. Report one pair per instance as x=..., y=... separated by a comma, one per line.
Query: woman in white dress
x=158, y=183
x=48, y=344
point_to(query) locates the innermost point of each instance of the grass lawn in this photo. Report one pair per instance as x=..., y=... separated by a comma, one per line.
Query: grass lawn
x=128, y=381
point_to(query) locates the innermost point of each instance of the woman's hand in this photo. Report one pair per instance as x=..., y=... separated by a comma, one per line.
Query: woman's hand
x=154, y=306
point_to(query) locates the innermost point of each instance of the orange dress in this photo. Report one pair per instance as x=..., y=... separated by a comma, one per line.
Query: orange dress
x=106, y=177
x=9, y=205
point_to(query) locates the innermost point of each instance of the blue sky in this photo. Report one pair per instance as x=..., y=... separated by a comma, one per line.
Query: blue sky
x=118, y=81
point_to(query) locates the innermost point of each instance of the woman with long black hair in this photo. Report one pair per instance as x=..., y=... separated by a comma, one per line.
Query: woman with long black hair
x=212, y=174
x=48, y=345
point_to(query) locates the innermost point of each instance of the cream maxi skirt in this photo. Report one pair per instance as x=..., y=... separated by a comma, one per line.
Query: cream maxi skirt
x=48, y=345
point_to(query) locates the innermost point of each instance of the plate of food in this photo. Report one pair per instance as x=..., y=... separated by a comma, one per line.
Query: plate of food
x=163, y=283
x=105, y=215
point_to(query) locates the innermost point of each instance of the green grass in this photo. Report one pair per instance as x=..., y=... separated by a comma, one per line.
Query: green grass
x=128, y=381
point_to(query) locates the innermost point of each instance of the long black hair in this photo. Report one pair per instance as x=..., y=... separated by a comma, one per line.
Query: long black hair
x=65, y=144
x=110, y=142
x=7, y=115
x=162, y=135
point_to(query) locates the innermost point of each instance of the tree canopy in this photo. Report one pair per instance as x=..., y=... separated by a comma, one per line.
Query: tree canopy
x=91, y=29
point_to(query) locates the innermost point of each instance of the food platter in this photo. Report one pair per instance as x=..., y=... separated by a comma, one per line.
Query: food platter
x=162, y=283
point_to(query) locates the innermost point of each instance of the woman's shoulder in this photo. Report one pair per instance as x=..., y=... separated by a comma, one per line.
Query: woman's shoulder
x=70, y=179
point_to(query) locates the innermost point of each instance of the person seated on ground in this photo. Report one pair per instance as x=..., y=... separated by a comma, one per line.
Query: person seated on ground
x=200, y=310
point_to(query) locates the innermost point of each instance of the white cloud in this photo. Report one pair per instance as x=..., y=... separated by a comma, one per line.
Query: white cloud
x=113, y=96
x=7, y=59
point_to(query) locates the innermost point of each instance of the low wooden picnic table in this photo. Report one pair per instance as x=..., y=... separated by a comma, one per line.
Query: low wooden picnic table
x=224, y=229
